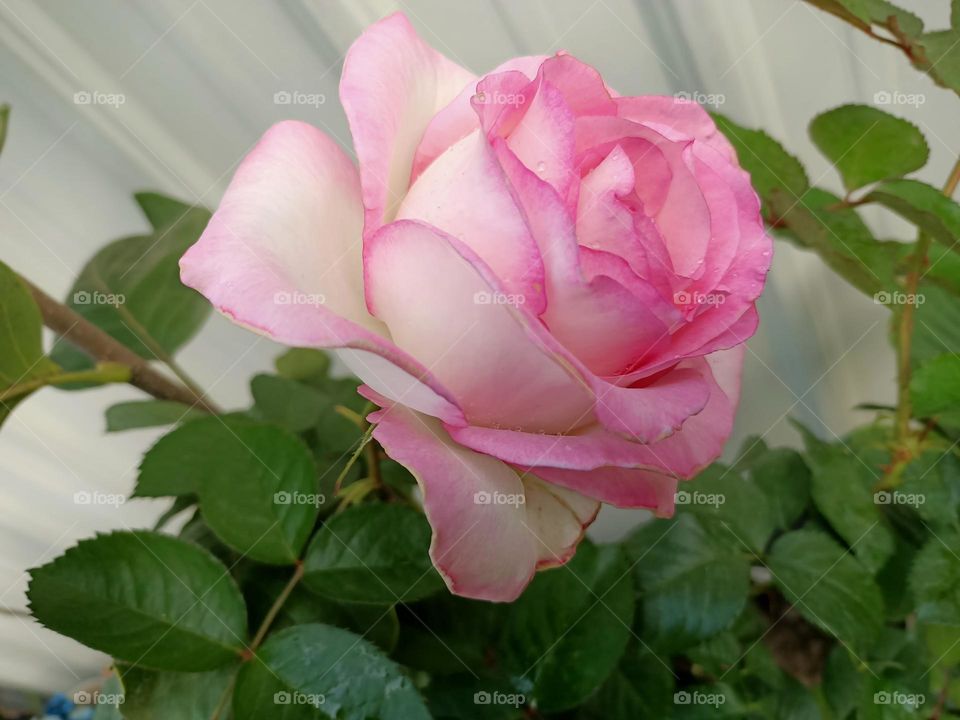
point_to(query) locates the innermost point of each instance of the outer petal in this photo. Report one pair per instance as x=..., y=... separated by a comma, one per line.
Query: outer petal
x=622, y=487
x=444, y=305
x=677, y=119
x=282, y=256
x=491, y=529
x=684, y=453
x=391, y=87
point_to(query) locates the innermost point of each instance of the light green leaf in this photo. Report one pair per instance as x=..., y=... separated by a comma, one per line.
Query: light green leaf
x=866, y=144
x=372, y=553
x=318, y=671
x=938, y=54
x=828, y=586
x=109, y=699
x=22, y=360
x=692, y=582
x=565, y=635
x=935, y=388
x=148, y=413
x=143, y=597
x=131, y=288
x=923, y=205
x=307, y=365
x=4, y=123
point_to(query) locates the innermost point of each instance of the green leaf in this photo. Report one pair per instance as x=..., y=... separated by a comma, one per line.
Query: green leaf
x=866, y=144
x=720, y=496
x=257, y=483
x=935, y=388
x=464, y=697
x=109, y=699
x=930, y=484
x=163, y=212
x=148, y=413
x=938, y=54
x=566, y=633
x=841, y=238
x=303, y=364
x=693, y=583
x=770, y=166
x=288, y=403
x=22, y=359
x=373, y=553
x=784, y=478
x=864, y=13
x=923, y=205
x=131, y=288
x=935, y=580
x=827, y=586
x=317, y=671
x=143, y=597
x=842, y=682
x=936, y=329
x=842, y=489
x=174, y=695
x=4, y=122
x=640, y=687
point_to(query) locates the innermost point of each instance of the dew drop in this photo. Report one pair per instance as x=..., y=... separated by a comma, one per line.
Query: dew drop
x=541, y=167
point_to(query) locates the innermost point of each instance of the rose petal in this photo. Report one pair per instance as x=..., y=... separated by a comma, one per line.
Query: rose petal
x=282, y=256
x=621, y=487
x=676, y=118
x=392, y=85
x=557, y=518
x=443, y=304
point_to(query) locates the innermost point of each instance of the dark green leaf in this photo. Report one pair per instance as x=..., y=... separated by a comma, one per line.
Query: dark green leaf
x=935, y=387
x=143, y=597
x=866, y=144
x=464, y=697
x=288, y=403
x=640, y=687
x=935, y=580
x=923, y=205
x=148, y=413
x=827, y=586
x=840, y=237
x=784, y=478
x=693, y=583
x=936, y=329
x=174, y=696
x=131, y=288
x=842, y=681
x=22, y=359
x=373, y=553
x=317, y=671
x=565, y=635
x=938, y=54
x=257, y=483
x=843, y=492
x=770, y=166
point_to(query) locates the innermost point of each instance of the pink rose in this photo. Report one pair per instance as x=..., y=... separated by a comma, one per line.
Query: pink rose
x=545, y=287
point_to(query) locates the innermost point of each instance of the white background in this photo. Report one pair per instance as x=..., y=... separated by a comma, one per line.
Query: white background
x=199, y=77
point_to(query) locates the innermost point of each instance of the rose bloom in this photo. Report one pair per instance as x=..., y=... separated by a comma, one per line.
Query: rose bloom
x=544, y=286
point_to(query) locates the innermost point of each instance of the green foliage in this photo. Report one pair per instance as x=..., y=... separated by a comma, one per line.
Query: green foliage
x=148, y=413
x=143, y=597
x=131, y=288
x=866, y=144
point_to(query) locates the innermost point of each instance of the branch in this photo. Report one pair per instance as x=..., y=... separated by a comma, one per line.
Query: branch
x=87, y=336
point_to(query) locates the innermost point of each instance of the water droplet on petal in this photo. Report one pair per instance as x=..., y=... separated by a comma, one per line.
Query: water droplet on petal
x=541, y=167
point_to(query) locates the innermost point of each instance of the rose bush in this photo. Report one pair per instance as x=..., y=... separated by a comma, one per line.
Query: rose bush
x=543, y=285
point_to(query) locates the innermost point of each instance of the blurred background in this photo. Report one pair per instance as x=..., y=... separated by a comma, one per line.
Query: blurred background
x=194, y=83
